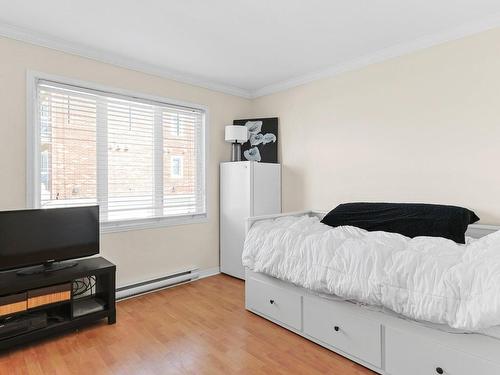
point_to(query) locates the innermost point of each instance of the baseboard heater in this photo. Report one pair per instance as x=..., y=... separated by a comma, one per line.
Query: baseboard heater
x=155, y=284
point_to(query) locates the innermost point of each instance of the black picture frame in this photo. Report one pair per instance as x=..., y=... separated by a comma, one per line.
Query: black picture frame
x=262, y=144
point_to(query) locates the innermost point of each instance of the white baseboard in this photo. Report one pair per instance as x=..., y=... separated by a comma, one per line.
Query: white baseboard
x=208, y=272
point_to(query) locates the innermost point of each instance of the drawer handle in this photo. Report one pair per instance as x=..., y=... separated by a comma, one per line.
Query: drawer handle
x=271, y=301
x=439, y=370
x=336, y=328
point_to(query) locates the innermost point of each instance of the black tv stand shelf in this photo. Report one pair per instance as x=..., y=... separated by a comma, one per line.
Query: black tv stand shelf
x=66, y=314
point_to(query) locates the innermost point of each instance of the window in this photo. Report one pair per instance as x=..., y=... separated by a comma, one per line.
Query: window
x=93, y=146
x=175, y=126
x=176, y=166
x=44, y=172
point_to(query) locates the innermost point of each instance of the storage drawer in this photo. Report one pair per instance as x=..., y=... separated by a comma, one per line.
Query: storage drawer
x=13, y=304
x=48, y=295
x=340, y=325
x=275, y=302
x=410, y=354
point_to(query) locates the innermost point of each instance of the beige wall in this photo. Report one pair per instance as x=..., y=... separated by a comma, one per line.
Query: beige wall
x=424, y=127
x=139, y=255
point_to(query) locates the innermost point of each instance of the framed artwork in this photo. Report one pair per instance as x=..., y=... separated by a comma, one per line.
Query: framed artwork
x=262, y=144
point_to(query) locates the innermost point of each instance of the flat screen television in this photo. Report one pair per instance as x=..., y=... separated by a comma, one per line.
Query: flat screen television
x=46, y=236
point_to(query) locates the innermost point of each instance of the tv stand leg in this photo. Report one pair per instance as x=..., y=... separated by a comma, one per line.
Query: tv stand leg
x=111, y=287
x=112, y=318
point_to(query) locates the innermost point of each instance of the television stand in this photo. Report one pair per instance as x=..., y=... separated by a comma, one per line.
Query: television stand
x=46, y=267
x=38, y=305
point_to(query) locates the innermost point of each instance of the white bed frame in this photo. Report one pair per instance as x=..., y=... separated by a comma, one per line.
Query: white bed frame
x=381, y=341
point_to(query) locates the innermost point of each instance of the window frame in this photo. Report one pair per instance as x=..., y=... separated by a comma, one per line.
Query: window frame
x=33, y=170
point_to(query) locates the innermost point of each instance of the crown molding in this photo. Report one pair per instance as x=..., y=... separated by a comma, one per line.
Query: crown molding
x=55, y=43
x=40, y=39
x=382, y=55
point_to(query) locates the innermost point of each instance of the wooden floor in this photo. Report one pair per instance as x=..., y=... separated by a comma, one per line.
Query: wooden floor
x=196, y=328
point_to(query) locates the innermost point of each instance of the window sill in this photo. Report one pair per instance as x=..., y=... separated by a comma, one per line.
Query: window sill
x=151, y=223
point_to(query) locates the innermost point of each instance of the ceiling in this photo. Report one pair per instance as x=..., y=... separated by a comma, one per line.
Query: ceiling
x=244, y=47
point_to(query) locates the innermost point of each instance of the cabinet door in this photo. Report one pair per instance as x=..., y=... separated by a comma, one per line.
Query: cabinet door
x=266, y=197
x=234, y=209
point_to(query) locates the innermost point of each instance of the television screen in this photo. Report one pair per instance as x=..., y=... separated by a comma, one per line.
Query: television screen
x=32, y=237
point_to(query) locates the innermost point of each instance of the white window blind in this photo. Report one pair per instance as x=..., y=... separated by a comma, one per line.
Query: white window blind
x=96, y=147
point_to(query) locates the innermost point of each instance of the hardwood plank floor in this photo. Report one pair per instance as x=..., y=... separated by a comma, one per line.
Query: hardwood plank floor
x=196, y=328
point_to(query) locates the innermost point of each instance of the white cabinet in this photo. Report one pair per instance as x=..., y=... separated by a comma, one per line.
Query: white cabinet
x=246, y=189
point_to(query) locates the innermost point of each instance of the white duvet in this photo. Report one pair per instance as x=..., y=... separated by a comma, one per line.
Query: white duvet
x=424, y=278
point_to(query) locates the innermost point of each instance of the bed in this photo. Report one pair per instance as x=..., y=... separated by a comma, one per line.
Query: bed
x=377, y=337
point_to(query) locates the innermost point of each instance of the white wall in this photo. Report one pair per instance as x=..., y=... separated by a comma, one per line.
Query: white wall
x=139, y=255
x=424, y=127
